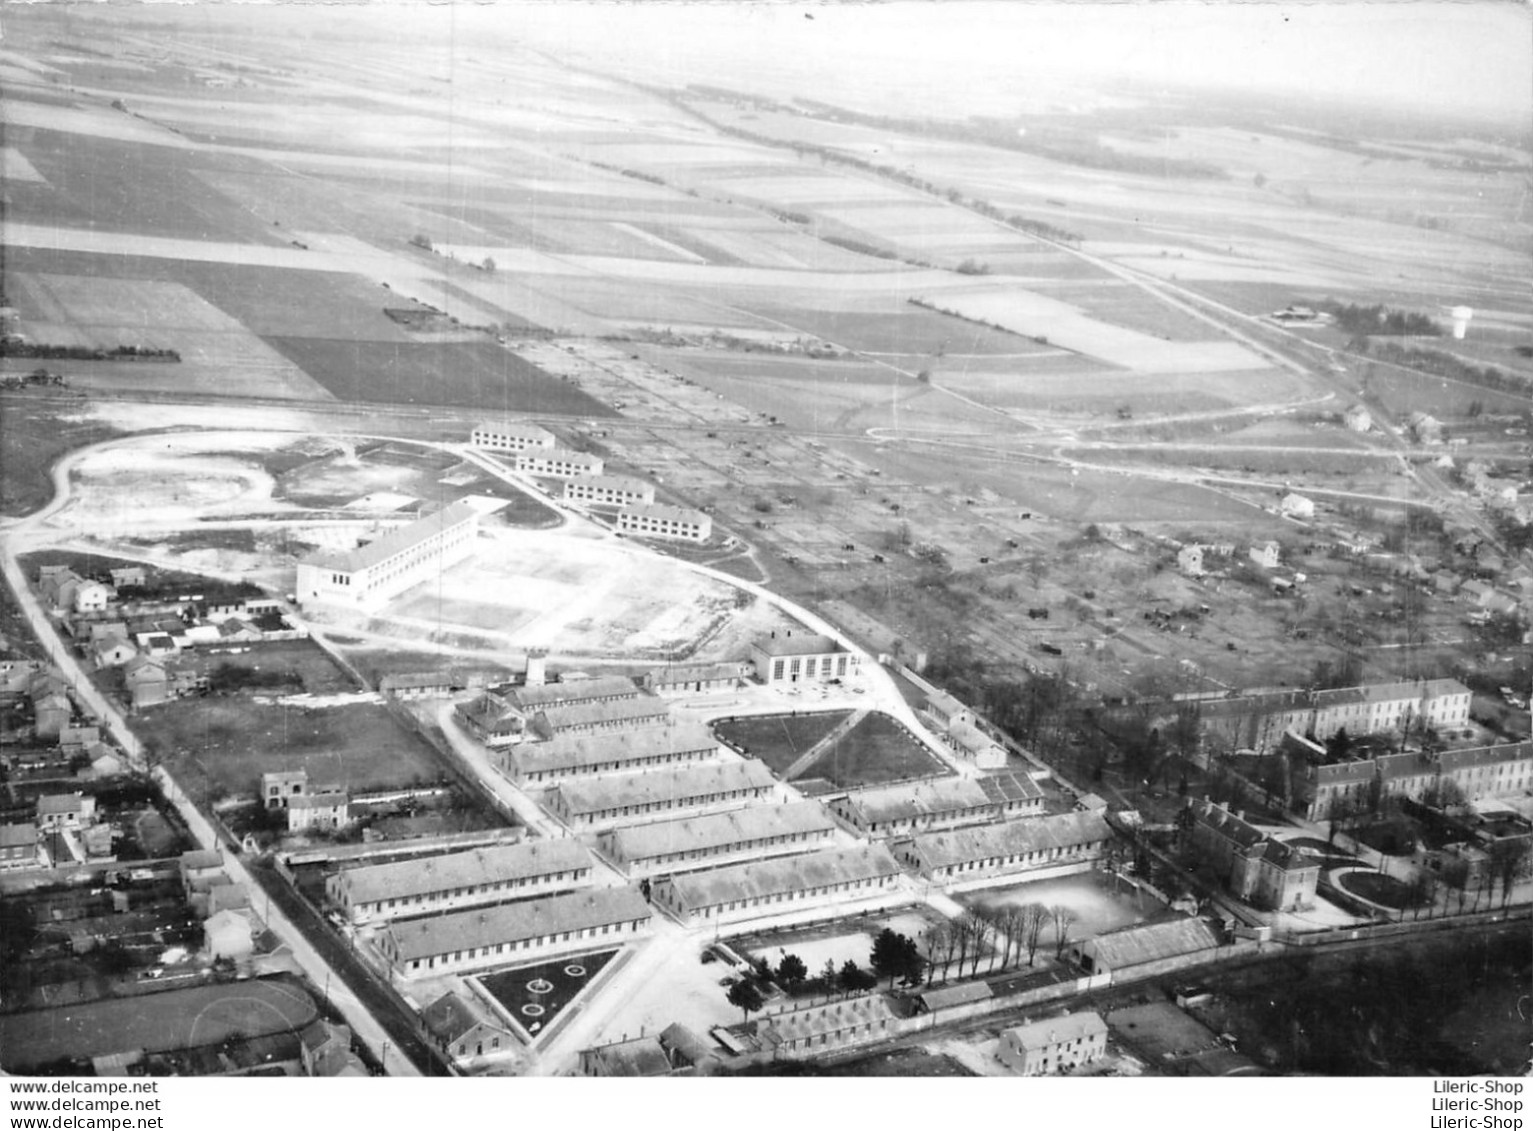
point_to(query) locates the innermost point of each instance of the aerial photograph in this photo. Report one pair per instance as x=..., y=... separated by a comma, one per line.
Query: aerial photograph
x=911, y=539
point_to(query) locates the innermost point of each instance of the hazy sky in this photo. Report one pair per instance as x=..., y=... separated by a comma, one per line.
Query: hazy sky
x=1475, y=57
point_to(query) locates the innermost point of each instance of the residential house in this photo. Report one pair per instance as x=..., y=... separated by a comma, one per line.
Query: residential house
x=1055, y=1044
x=146, y=681
x=111, y=652
x=463, y=1033
x=198, y=869
x=1265, y=554
x=325, y=1051
x=310, y=812
x=228, y=935
x=18, y=847
x=57, y=811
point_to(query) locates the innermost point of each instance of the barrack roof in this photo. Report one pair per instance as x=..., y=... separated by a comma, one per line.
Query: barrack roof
x=407, y=878
x=576, y=751
x=515, y=922
x=763, y=878
x=606, y=793
x=714, y=830
x=1008, y=838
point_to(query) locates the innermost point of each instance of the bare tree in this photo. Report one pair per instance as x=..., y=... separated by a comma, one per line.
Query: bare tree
x=982, y=932
x=934, y=938
x=1033, y=917
x=1063, y=917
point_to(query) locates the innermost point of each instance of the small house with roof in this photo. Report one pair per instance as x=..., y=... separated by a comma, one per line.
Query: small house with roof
x=309, y=812
x=112, y=652
x=1055, y=1044
x=228, y=934
x=18, y=847
x=65, y=811
x=146, y=680
x=1265, y=554
x=463, y=1033
x=325, y=1050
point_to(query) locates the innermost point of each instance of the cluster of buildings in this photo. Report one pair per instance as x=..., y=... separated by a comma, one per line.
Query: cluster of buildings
x=1255, y=866
x=308, y=808
x=1475, y=773
x=630, y=502
x=1199, y=559
x=1259, y=721
x=148, y=635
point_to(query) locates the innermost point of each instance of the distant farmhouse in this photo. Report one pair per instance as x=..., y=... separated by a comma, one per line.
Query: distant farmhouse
x=369, y=577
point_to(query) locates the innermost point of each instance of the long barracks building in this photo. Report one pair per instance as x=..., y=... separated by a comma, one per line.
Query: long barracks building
x=773, y=887
x=372, y=575
x=717, y=838
x=574, y=755
x=513, y=932
x=628, y=798
x=459, y=879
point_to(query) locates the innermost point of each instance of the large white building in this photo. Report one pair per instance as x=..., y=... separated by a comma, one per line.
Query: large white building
x=804, y=657
x=372, y=575
x=558, y=463
x=511, y=437
x=609, y=490
x=657, y=520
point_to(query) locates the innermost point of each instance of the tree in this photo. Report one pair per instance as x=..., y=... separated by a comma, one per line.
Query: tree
x=912, y=963
x=980, y=933
x=934, y=938
x=1033, y=916
x=854, y=979
x=1509, y=863
x=488, y=266
x=828, y=976
x=1063, y=917
x=744, y=996
x=887, y=955
x=792, y=972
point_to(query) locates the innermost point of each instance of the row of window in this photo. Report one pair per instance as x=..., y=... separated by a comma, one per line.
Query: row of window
x=803, y=667
x=667, y=803
x=615, y=767
x=406, y=561
x=732, y=847
x=478, y=889
x=490, y=951
x=789, y=896
x=1042, y=856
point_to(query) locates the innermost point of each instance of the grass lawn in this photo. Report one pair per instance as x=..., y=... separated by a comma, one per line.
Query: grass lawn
x=877, y=750
x=778, y=740
x=33, y=436
x=235, y=740
x=468, y=374
x=1375, y=887
x=535, y=995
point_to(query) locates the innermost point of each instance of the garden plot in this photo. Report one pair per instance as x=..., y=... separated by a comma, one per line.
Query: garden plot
x=1064, y=324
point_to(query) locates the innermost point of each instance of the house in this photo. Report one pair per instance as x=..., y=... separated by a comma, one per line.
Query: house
x=65, y=811
x=1056, y=1044
x=146, y=681
x=51, y=710
x=16, y=677
x=278, y=787
x=511, y=437
x=1189, y=559
x=99, y=630
x=68, y=592
x=1255, y=867
x=974, y=745
x=828, y=878
x=627, y=798
x=1265, y=554
x=1058, y=843
x=661, y=520
x=685, y=679
x=227, y=897
x=432, y=884
x=76, y=740
x=1357, y=418
x=1130, y=947
x=228, y=935
x=462, y=1033
x=237, y=630
x=127, y=577
x=198, y=869
x=317, y=811
x=112, y=652
x=946, y=711
x=608, y=490
x=694, y=842
x=325, y=1051
x=369, y=577
x=1297, y=506
x=574, y=754
x=788, y=657
x=18, y=847
x=530, y=928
